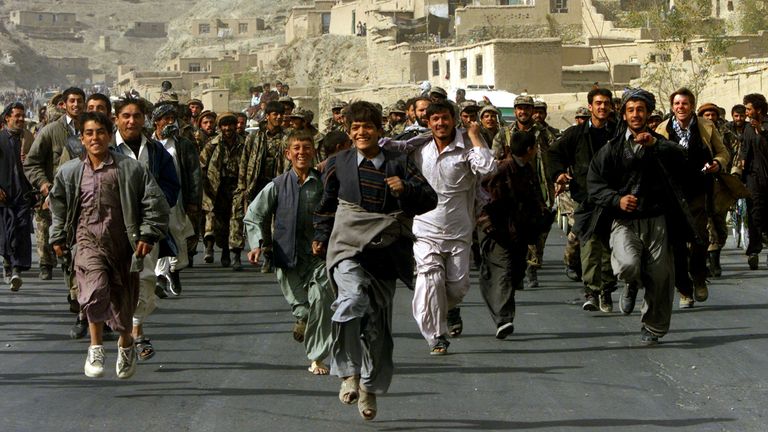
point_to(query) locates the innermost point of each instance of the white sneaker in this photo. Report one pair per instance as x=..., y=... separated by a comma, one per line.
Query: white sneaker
x=94, y=363
x=16, y=282
x=126, y=362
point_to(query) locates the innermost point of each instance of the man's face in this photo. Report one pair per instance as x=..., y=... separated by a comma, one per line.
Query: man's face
x=365, y=135
x=410, y=112
x=297, y=123
x=442, y=125
x=524, y=114
x=241, y=124
x=337, y=117
x=396, y=117
x=636, y=115
x=15, y=121
x=539, y=115
x=74, y=105
x=682, y=108
x=753, y=113
x=130, y=122
x=274, y=120
x=711, y=115
x=163, y=122
x=738, y=118
x=490, y=120
x=95, y=105
x=207, y=125
x=227, y=131
x=600, y=107
x=95, y=139
x=654, y=122
x=468, y=117
x=300, y=153
x=421, y=112
x=195, y=110
x=279, y=88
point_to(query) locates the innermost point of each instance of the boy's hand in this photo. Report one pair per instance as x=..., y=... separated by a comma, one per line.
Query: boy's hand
x=318, y=248
x=254, y=255
x=628, y=203
x=143, y=249
x=395, y=185
x=59, y=250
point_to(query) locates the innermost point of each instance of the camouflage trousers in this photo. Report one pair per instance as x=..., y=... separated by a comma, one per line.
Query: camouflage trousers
x=536, y=251
x=44, y=250
x=217, y=222
x=572, y=253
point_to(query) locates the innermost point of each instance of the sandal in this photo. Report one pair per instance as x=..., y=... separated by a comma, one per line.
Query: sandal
x=318, y=368
x=349, y=391
x=366, y=405
x=298, y=330
x=144, y=349
x=455, y=323
x=440, y=347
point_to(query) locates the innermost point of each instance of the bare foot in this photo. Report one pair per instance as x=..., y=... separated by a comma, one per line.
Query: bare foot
x=318, y=368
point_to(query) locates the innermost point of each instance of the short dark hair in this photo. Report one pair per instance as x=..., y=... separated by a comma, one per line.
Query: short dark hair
x=333, y=139
x=362, y=111
x=599, y=92
x=97, y=117
x=241, y=115
x=739, y=108
x=439, y=107
x=300, y=135
x=274, y=106
x=72, y=90
x=683, y=91
x=100, y=97
x=758, y=102
x=410, y=103
x=122, y=103
x=521, y=142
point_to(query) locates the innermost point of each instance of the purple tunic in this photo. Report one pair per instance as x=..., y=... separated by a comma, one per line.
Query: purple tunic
x=108, y=289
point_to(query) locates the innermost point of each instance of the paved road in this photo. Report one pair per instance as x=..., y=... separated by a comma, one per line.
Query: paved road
x=226, y=362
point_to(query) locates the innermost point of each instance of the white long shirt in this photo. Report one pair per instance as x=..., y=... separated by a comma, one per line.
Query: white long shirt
x=453, y=174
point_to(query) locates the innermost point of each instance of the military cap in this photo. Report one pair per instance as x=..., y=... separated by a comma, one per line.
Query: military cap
x=540, y=104
x=169, y=97
x=338, y=104
x=656, y=113
x=287, y=100
x=397, y=107
x=204, y=114
x=488, y=108
x=583, y=112
x=229, y=117
x=299, y=112
x=439, y=90
x=195, y=102
x=469, y=106
x=524, y=100
x=707, y=107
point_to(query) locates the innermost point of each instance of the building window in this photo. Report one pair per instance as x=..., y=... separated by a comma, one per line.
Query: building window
x=194, y=67
x=729, y=6
x=463, y=68
x=558, y=6
x=479, y=65
x=39, y=17
x=242, y=27
x=54, y=17
x=687, y=55
x=204, y=28
x=435, y=68
x=447, y=69
x=326, y=17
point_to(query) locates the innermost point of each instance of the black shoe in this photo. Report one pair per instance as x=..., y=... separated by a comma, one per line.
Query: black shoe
x=74, y=306
x=80, y=328
x=455, y=323
x=46, y=273
x=225, y=260
x=237, y=265
x=504, y=330
x=753, y=260
x=266, y=265
x=174, y=285
x=714, y=263
x=628, y=298
x=532, y=277
x=648, y=338
x=606, y=303
x=161, y=287
x=572, y=274
x=208, y=257
x=191, y=258
x=590, y=304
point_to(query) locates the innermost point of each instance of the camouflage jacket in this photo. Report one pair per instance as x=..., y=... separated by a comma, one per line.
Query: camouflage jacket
x=544, y=139
x=331, y=125
x=393, y=131
x=218, y=162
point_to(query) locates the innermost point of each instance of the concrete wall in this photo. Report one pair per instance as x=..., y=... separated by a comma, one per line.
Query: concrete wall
x=513, y=65
x=304, y=22
x=728, y=89
x=228, y=27
x=148, y=29
x=346, y=14
x=385, y=95
x=576, y=55
x=471, y=17
x=215, y=99
x=43, y=19
x=599, y=30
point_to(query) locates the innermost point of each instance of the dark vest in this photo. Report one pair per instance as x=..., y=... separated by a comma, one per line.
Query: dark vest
x=286, y=216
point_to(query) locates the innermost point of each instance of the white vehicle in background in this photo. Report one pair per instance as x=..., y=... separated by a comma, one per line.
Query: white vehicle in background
x=501, y=99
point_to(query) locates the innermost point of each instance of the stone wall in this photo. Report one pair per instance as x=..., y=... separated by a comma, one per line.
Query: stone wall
x=470, y=18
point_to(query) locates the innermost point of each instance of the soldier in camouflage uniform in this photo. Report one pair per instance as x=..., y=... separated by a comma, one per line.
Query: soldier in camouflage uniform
x=544, y=139
x=396, y=120
x=336, y=121
x=540, y=117
x=301, y=119
x=722, y=200
x=206, y=128
x=262, y=160
x=468, y=113
x=220, y=161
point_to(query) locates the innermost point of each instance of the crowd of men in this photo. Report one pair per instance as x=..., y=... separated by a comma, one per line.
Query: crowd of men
x=120, y=191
